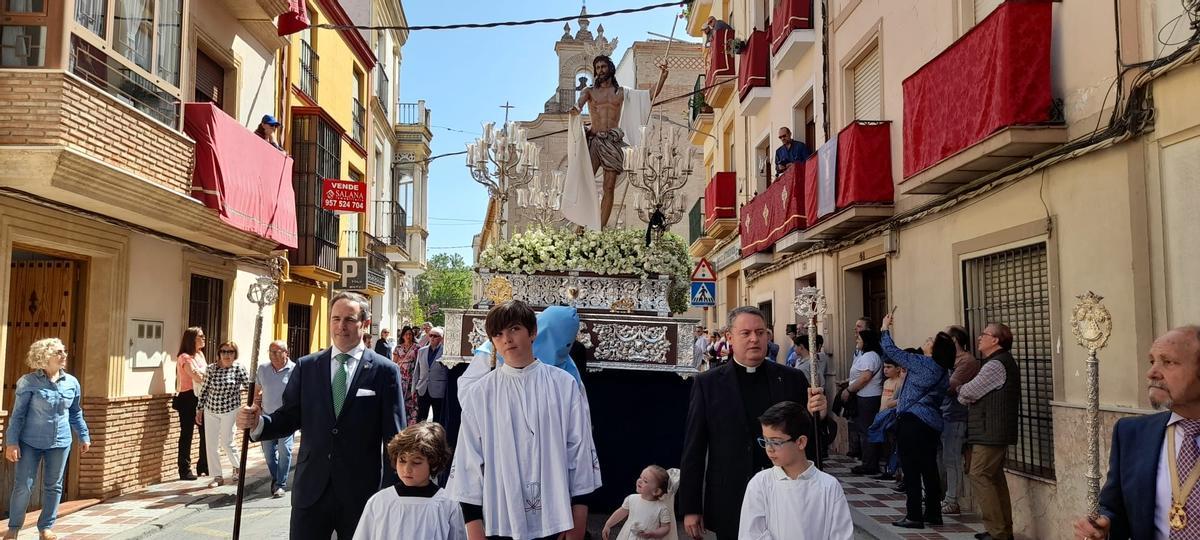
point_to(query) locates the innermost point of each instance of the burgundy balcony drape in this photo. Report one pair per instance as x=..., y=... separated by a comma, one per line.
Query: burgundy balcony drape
x=775, y=212
x=241, y=176
x=789, y=15
x=720, y=198
x=997, y=75
x=755, y=63
x=863, y=173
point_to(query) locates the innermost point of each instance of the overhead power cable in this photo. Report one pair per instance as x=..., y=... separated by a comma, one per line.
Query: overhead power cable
x=505, y=23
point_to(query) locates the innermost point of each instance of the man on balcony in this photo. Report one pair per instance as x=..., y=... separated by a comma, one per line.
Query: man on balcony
x=790, y=151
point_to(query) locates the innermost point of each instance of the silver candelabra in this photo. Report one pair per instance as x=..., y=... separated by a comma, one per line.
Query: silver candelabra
x=502, y=161
x=543, y=197
x=659, y=167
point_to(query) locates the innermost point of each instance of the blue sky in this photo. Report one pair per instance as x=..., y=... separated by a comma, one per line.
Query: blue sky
x=464, y=76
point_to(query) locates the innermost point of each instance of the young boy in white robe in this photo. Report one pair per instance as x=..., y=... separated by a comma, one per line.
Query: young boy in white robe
x=415, y=507
x=645, y=513
x=792, y=500
x=525, y=453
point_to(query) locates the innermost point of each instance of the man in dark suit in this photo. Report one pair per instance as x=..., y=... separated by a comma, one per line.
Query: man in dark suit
x=1136, y=501
x=720, y=448
x=346, y=401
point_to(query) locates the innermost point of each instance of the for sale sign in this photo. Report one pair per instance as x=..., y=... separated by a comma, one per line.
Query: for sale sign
x=343, y=196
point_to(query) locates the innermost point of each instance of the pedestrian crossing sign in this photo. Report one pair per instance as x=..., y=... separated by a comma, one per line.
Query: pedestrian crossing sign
x=704, y=294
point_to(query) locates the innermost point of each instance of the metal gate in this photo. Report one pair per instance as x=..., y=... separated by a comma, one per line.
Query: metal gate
x=299, y=333
x=1013, y=287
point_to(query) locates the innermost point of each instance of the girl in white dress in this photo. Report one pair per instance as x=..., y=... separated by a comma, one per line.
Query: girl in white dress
x=647, y=513
x=415, y=507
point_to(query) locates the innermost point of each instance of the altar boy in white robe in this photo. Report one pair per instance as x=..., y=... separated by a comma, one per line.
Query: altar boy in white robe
x=525, y=452
x=415, y=507
x=792, y=500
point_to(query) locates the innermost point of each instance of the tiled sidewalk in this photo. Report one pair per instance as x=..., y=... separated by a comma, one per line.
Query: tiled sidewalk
x=124, y=516
x=877, y=501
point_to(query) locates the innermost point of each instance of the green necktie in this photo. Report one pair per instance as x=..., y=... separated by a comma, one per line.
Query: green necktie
x=339, y=384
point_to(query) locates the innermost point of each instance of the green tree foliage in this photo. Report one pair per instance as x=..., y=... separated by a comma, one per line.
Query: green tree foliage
x=446, y=283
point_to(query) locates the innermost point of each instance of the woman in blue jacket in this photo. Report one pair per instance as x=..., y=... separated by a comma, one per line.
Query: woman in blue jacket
x=45, y=411
x=919, y=422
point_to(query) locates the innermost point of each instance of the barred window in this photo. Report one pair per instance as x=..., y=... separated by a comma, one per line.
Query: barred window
x=1013, y=287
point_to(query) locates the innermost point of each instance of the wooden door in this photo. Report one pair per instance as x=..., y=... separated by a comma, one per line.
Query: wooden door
x=41, y=305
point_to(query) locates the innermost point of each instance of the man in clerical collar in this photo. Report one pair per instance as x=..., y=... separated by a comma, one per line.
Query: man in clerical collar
x=720, y=449
x=1153, y=457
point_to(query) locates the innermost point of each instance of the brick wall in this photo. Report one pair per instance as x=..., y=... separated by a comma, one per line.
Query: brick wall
x=53, y=108
x=134, y=444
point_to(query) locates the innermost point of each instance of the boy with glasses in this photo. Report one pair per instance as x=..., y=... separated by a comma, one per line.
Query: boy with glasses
x=793, y=499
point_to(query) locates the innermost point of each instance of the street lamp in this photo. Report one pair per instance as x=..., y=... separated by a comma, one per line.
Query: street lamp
x=543, y=197
x=502, y=161
x=659, y=168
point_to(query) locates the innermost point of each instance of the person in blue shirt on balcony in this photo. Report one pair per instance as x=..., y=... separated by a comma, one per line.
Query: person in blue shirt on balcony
x=45, y=410
x=790, y=151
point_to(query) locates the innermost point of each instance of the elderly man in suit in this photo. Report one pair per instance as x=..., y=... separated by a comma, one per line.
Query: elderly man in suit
x=720, y=449
x=346, y=402
x=1152, y=455
x=432, y=377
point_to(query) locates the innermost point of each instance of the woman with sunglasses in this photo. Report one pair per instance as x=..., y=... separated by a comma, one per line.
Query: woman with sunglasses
x=217, y=410
x=190, y=367
x=46, y=408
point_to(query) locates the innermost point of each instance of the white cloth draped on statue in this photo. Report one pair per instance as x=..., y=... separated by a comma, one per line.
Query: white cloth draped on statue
x=581, y=199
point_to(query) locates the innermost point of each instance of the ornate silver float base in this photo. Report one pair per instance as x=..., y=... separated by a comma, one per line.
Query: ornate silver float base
x=615, y=341
x=583, y=290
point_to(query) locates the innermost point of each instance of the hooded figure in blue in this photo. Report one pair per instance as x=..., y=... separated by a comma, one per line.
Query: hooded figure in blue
x=557, y=327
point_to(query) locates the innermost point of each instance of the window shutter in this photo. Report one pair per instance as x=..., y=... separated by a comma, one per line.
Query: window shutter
x=867, y=88
x=210, y=79
x=983, y=8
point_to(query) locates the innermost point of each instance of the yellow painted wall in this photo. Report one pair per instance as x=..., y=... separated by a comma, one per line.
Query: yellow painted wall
x=318, y=298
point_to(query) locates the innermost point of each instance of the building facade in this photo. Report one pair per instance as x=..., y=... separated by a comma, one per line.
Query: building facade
x=970, y=170
x=117, y=233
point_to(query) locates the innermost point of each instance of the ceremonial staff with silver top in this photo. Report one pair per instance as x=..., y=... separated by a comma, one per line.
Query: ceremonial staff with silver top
x=1091, y=324
x=810, y=305
x=263, y=292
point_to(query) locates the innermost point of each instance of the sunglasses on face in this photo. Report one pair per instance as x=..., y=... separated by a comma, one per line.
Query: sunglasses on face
x=227, y=351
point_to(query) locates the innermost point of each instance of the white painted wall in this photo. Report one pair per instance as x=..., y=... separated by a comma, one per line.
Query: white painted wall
x=257, y=66
x=156, y=293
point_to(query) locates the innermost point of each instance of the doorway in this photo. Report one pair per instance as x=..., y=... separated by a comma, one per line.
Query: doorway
x=875, y=298
x=44, y=302
x=299, y=329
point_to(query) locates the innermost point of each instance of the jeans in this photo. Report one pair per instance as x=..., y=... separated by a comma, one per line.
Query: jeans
x=279, y=460
x=953, y=434
x=54, y=462
x=219, y=428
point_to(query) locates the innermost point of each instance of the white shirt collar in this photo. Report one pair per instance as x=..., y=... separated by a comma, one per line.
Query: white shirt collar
x=777, y=473
x=355, y=353
x=519, y=372
x=749, y=369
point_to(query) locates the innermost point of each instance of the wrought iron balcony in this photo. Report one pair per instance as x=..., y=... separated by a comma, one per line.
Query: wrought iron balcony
x=376, y=262
x=359, y=115
x=699, y=241
x=391, y=224
x=383, y=88
x=308, y=69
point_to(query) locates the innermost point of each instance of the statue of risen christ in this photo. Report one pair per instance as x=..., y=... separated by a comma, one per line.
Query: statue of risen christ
x=617, y=115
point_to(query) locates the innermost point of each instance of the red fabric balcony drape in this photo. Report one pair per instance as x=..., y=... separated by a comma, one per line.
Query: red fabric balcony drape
x=720, y=198
x=294, y=19
x=720, y=57
x=245, y=179
x=774, y=213
x=864, y=169
x=755, y=65
x=996, y=75
x=789, y=15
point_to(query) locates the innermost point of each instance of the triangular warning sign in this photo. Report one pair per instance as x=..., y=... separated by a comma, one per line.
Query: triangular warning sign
x=704, y=271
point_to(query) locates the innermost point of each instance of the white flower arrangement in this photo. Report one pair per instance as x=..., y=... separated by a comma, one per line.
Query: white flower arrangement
x=614, y=252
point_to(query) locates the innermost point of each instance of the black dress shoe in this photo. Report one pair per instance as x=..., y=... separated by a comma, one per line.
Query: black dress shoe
x=909, y=524
x=983, y=536
x=187, y=476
